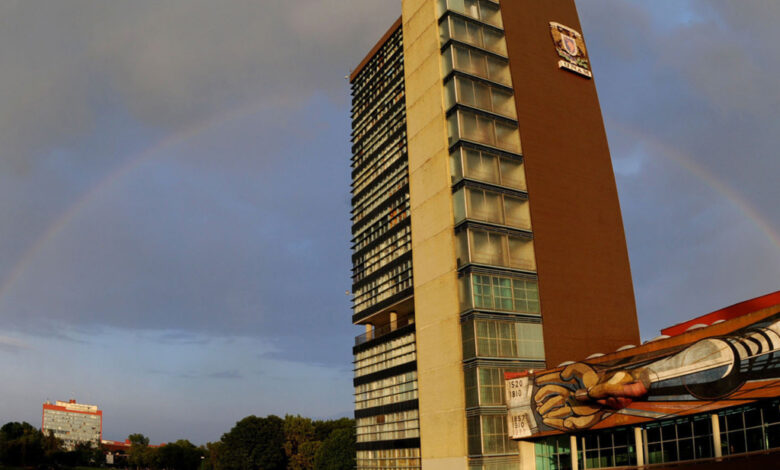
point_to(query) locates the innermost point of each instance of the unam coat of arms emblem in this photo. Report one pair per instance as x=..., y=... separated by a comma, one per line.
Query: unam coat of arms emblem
x=571, y=49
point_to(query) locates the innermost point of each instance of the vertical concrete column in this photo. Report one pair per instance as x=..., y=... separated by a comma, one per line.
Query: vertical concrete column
x=575, y=464
x=369, y=331
x=639, y=446
x=716, y=436
x=441, y=390
x=393, y=321
x=527, y=453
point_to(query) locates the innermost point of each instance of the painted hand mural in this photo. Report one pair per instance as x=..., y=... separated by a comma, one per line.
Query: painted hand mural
x=582, y=395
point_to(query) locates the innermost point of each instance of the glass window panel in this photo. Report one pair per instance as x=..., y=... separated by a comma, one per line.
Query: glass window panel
x=517, y=212
x=773, y=436
x=449, y=94
x=507, y=136
x=685, y=447
x=469, y=350
x=752, y=417
x=453, y=132
x=482, y=166
x=474, y=435
x=490, y=13
x=496, y=69
x=703, y=446
x=734, y=421
x=462, y=249
x=736, y=442
x=459, y=205
x=494, y=41
x=754, y=438
x=471, y=8
x=684, y=429
x=512, y=173
x=669, y=449
x=487, y=248
x=521, y=253
x=470, y=382
x=503, y=103
x=456, y=165
x=771, y=413
x=482, y=96
x=530, y=340
x=485, y=130
x=446, y=60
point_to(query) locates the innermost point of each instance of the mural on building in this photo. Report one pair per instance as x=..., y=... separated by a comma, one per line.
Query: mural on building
x=696, y=377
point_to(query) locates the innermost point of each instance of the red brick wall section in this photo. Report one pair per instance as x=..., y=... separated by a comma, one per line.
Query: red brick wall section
x=585, y=285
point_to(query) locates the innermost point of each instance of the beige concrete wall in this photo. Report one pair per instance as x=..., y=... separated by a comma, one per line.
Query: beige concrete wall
x=439, y=349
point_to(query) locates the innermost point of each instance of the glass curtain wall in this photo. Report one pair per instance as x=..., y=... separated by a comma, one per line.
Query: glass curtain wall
x=501, y=324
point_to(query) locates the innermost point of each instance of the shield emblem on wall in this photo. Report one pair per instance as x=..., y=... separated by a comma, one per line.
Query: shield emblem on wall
x=569, y=45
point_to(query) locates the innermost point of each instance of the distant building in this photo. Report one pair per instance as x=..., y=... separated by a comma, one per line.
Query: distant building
x=704, y=394
x=73, y=422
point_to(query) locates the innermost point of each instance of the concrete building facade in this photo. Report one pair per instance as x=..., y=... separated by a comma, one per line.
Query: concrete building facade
x=73, y=422
x=487, y=235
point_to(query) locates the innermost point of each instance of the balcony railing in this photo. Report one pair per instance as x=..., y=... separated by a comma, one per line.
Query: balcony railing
x=383, y=330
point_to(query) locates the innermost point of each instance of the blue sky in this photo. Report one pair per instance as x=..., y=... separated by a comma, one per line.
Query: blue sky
x=174, y=203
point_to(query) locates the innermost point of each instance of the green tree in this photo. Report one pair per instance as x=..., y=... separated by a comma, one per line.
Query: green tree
x=324, y=428
x=298, y=434
x=180, y=455
x=254, y=443
x=139, y=454
x=212, y=451
x=337, y=452
x=21, y=445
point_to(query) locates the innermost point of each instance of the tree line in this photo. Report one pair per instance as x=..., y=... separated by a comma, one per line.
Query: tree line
x=254, y=443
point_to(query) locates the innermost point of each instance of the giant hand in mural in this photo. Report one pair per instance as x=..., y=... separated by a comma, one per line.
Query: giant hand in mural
x=581, y=395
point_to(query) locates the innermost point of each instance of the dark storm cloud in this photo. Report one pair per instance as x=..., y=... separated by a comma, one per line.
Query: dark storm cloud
x=243, y=237
x=243, y=229
x=689, y=94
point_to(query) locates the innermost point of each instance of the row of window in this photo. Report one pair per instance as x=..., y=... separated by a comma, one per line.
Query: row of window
x=389, y=354
x=477, y=63
x=386, y=110
x=394, y=152
x=485, y=130
x=395, y=281
x=381, y=222
x=402, y=459
x=505, y=339
x=400, y=425
x=386, y=252
x=388, y=136
x=370, y=82
x=398, y=202
x=476, y=94
x=489, y=292
x=491, y=206
x=483, y=10
x=487, y=167
x=386, y=391
x=380, y=190
x=743, y=429
x=471, y=32
x=485, y=385
x=487, y=436
x=495, y=249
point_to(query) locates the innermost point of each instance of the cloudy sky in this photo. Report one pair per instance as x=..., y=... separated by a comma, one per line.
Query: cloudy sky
x=174, y=192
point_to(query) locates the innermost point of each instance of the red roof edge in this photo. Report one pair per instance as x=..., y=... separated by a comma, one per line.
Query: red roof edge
x=733, y=311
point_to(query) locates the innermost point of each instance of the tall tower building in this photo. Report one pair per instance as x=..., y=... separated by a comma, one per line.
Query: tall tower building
x=487, y=235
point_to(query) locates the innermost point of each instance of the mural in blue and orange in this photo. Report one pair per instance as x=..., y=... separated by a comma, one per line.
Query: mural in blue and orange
x=706, y=374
